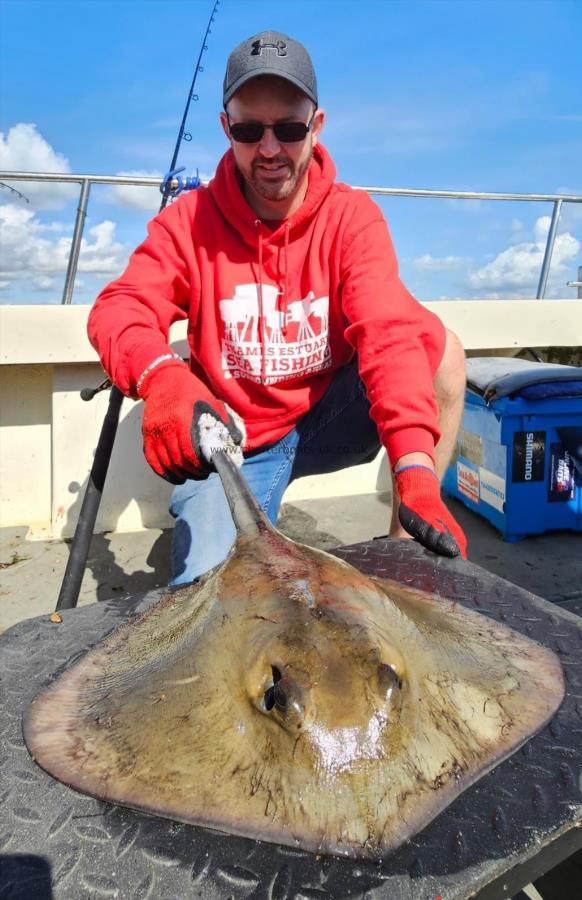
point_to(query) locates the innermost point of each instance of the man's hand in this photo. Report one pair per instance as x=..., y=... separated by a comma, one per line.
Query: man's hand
x=183, y=424
x=424, y=515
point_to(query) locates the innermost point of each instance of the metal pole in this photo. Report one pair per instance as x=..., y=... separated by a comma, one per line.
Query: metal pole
x=76, y=243
x=549, y=250
x=69, y=593
x=577, y=284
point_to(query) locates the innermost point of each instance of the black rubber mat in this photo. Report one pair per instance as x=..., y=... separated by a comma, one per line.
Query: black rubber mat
x=515, y=823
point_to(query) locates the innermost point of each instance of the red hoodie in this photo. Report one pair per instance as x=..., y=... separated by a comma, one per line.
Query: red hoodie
x=274, y=312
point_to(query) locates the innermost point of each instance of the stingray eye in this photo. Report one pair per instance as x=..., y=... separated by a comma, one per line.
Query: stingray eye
x=284, y=698
x=389, y=681
x=280, y=697
x=270, y=696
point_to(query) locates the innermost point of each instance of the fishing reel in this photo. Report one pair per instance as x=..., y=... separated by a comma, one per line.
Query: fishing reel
x=189, y=183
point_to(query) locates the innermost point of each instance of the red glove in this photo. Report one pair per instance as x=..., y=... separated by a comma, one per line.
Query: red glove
x=424, y=515
x=174, y=402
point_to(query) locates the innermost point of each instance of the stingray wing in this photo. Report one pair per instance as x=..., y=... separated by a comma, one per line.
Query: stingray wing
x=481, y=691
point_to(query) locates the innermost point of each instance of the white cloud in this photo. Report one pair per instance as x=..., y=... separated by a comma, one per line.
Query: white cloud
x=541, y=229
x=516, y=270
x=517, y=227
x=44, y=282
x=146, y=199
x=428, y=263
x=24, y=149
x=28, y=252
x=571, y=215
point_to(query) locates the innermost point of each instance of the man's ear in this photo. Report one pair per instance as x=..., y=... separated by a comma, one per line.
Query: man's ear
x=318, y=122
x=225, y=128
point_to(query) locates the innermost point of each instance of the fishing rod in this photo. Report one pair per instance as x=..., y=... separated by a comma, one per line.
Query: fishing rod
x=184, y=135
x=75, y=569
x=14, y=191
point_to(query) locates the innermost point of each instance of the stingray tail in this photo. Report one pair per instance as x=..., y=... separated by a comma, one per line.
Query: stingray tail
x=248, y=516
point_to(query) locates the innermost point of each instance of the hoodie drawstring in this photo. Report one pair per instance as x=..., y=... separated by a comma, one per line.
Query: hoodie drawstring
x=262, y=335
x=285, y=292
x=285, y=275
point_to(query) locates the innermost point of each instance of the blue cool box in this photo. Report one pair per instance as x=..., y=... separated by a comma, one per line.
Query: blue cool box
x=518, y=461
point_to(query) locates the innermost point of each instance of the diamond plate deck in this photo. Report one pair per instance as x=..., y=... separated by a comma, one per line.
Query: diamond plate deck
x=518, y=820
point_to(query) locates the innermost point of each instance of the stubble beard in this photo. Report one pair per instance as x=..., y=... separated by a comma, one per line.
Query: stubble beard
x=279, y=191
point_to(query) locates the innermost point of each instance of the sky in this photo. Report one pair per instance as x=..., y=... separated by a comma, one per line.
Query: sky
x=473, y=95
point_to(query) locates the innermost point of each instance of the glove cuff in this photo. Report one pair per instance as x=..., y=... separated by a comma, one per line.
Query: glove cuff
x=400, y=469
x=161, y=362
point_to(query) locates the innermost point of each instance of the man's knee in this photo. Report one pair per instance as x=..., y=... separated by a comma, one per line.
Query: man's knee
x=450, y=378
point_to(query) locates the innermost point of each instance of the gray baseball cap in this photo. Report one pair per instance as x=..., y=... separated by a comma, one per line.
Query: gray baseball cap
x=270, y=53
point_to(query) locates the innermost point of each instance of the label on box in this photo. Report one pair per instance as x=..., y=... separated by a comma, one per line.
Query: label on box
x=562, y=485
x=492, y=489
x=470, y=446
x=529, y=452
x=468, y=480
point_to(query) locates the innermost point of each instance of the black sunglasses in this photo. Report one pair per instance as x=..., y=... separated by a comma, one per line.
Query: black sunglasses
x=252, y=132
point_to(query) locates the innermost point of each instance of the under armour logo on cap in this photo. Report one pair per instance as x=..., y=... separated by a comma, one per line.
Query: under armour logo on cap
x=259, y=46
x=270, y=53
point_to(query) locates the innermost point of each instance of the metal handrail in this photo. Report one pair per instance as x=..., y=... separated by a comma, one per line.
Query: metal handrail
x=151, y=181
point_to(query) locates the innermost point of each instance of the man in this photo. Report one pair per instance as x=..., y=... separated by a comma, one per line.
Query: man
x=306, y=349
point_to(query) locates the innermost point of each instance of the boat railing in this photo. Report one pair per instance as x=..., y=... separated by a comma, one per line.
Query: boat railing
x=174, y=185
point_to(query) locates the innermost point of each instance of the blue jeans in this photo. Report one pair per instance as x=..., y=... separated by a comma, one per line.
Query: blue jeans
x=338, y=432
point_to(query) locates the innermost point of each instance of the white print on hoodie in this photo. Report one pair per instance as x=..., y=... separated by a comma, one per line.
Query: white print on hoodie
x=270, y=345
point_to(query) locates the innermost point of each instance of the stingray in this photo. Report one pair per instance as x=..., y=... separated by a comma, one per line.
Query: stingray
x=290, y=698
